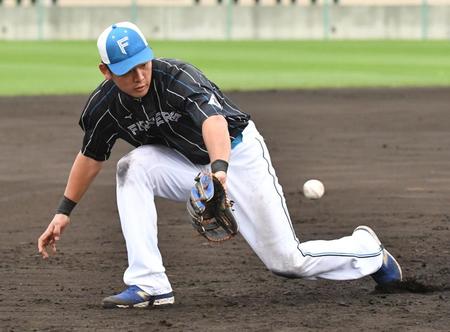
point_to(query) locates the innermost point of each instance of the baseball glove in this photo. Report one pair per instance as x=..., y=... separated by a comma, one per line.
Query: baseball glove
x=211, y=210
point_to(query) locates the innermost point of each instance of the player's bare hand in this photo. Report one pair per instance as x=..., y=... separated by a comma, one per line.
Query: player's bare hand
x=52, y=234
x=222, y=177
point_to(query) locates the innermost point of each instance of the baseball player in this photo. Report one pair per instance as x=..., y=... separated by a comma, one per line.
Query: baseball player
x=181, y=125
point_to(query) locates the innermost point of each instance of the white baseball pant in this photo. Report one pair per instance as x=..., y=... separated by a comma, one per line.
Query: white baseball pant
x=260, y=209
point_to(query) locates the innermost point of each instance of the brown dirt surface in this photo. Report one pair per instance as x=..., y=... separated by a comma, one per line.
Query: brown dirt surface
x=383, y=155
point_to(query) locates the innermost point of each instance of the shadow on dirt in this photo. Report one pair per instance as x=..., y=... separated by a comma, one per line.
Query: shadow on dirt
x=409, y=285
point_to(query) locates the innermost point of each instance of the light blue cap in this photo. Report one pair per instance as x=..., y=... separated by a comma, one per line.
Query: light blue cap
x=122, y=47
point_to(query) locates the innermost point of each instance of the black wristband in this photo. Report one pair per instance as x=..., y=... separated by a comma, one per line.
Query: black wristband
x=219, y=165
x=66, y=206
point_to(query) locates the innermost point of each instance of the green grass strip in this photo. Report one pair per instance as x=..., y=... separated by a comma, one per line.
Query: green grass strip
x=32, y=68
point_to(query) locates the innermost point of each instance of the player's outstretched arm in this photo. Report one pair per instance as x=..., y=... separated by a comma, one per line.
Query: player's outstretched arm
x=82, y=174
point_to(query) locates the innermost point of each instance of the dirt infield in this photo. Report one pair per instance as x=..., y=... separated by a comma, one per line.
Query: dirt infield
x=384, y=156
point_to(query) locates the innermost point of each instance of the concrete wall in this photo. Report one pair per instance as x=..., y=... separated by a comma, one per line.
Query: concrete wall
x=216, y=22
x=109, y=3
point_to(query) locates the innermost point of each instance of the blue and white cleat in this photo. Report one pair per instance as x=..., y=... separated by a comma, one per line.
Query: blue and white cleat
x=134, y=297
x=390, y=271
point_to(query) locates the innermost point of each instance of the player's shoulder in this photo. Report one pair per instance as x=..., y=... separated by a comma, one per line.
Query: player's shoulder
x=167, y=62
x=102, y=97
x=172, y=66
x=178, y=73
x=99, y=101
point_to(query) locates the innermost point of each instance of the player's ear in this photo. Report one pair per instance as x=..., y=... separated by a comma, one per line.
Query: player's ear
x=105, y=70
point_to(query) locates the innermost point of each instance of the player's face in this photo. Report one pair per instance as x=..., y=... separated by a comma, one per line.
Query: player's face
x=134, y=83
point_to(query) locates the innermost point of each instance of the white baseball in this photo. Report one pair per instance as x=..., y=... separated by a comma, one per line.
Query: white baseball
x=313, y=189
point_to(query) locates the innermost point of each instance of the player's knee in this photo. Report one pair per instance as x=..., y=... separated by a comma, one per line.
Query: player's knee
x=136, y=164
x=289, y=267
x=122, y=169
x=287, y=273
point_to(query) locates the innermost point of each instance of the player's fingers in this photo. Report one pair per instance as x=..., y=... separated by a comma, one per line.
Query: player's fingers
x=55, y=237
x=53, y=246
x=42, y=243
x=44, y=253
x=44, y=240
x=56, y=232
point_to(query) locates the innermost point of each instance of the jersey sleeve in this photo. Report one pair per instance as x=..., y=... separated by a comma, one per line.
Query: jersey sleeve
x=191, y=92
x=100, y=130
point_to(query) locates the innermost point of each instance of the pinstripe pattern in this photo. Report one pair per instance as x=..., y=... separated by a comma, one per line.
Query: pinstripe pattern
x=180, y=98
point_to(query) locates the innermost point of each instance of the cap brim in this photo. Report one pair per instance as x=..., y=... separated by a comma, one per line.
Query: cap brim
x=125, y=66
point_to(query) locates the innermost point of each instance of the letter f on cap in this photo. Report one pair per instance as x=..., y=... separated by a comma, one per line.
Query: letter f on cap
x=122, y=47
x=123, y=42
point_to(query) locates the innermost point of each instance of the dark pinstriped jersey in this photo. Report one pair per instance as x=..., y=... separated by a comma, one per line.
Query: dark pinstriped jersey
x=180, y=98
